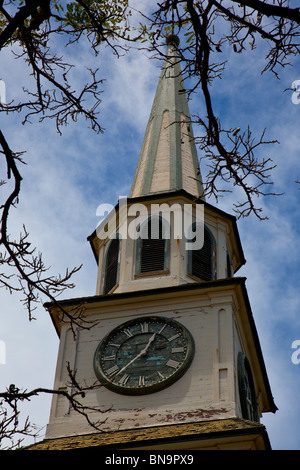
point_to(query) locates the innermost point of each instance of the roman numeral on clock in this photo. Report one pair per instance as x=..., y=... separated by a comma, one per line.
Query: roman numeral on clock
x=127, y=332
x=145, y=327
x=177, y=350
x=141, y=381
x=172, y=363
x=112, y=371
x=123, y=380
x=109, y=358
x=173, y=337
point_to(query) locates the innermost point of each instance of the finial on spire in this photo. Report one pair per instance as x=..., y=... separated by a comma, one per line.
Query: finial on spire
x=173, y=39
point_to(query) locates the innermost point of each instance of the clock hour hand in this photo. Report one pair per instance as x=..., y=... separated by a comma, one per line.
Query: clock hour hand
x=143, y=352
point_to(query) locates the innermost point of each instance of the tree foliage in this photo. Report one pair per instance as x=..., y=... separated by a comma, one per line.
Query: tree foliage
x=207, y=28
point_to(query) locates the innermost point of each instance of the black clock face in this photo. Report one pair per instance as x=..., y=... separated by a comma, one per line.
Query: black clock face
x=144, y=355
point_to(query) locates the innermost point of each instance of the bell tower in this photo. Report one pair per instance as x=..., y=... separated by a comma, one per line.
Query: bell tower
x=173, y=357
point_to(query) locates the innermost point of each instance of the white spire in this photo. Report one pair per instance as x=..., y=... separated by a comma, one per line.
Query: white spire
x=168, y=160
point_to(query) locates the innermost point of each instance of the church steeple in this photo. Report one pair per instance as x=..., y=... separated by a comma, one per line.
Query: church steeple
x=171, y=337
x=168, y=159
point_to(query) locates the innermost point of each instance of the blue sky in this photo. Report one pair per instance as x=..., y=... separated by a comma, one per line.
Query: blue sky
x=67, y=177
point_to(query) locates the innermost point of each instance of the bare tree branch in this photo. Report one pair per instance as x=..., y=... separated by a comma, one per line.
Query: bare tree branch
x=200, y=23
x=11, y=400
x=233, y=158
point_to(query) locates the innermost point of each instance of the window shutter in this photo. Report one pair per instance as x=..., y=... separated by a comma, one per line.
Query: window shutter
x=203, y=259
x=153, y=249
x=111, y=270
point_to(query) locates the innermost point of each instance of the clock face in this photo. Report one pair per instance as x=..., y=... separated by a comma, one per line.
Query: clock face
x=143, y=355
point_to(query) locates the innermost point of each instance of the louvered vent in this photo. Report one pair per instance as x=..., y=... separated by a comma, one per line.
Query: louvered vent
x=111, y=271
x=153, y=249
x=203, y=259
x=228, y=266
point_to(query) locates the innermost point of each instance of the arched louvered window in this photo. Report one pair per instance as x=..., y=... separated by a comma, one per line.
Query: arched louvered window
x=246, y=388
x=228, y=266
x=111, y=265
x=152, y=247
x=202, y=262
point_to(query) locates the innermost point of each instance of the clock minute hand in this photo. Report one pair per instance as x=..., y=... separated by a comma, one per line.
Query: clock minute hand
x=129, y=364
